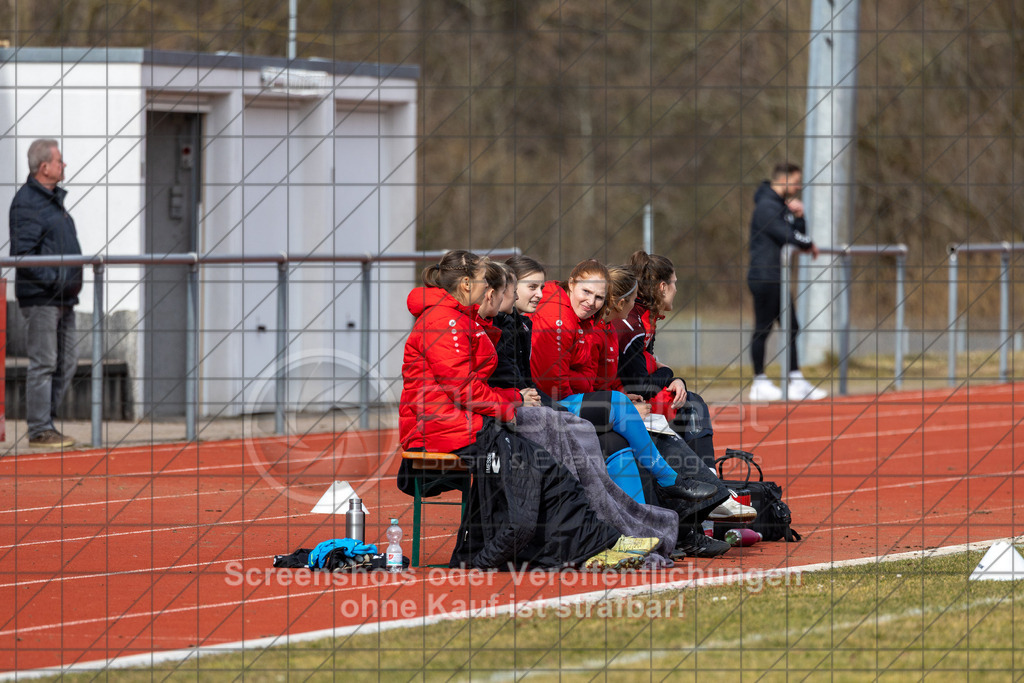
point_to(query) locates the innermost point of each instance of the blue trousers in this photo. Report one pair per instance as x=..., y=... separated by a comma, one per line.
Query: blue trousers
x=613, y=410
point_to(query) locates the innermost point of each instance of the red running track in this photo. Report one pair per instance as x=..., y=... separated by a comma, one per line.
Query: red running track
x=133, y=551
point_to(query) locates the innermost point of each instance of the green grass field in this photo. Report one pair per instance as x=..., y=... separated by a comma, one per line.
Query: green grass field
x=900, y=620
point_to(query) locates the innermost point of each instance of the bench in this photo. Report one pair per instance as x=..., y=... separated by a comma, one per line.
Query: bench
x=426, y=460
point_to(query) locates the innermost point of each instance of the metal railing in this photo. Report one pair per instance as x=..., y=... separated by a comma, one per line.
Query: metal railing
x=846, y=254
x=1004, y=249
x=99, y=263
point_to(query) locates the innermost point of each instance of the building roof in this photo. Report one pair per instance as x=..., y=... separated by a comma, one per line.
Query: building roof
x=208, y=60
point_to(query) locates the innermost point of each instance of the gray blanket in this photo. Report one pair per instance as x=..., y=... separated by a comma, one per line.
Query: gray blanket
x=573, y=442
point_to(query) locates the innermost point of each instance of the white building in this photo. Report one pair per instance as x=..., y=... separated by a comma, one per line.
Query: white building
x=173, y=152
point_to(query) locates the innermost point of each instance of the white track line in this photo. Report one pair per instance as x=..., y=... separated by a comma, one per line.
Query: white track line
x=795, y=441
x=167, y=529
x=958, y=515
x=103, y=453
x=168, y=568
x=152, y=659
x=816, y=464
x=923, y=482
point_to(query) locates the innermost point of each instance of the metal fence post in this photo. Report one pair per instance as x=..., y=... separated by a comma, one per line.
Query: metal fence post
x=846, y=261
x=951, y=318
x=97, y=355
x=1004, y=311
x=364, y=347
x=191, y=350
x=281, y=376
x=784, y=321
x=901, y=272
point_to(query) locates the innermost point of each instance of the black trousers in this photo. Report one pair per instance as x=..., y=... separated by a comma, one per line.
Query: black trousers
x=767, y=310
x=693, y=423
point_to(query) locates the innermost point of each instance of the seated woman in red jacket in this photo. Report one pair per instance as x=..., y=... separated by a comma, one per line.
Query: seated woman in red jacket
x=564, y=365
x=517, y=331
x=448, y=357
x=447, y=406
x=622, y=294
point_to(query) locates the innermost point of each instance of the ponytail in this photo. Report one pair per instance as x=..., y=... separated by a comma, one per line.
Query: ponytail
x=453, y=266
x=650, y=271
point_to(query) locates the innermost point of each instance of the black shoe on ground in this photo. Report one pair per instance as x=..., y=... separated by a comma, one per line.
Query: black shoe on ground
x=689, y=490
x=696, y=544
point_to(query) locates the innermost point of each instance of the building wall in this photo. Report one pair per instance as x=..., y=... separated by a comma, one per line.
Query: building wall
x=100, y=131
x=321, y=170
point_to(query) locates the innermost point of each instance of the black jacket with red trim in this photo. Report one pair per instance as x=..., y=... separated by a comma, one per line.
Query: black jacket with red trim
x=638, y=369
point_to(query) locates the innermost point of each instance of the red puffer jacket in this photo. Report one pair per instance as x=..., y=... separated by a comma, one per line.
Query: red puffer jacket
x=447, y=361
x=561, y=359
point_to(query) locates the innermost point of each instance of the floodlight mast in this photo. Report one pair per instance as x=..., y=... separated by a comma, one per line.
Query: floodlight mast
x=830, y=135
x=293, y=12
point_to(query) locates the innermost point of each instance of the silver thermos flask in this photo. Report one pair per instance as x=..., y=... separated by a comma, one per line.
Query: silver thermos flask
x=354, y=520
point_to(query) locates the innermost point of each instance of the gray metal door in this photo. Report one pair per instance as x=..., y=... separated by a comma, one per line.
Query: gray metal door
x=172, y=195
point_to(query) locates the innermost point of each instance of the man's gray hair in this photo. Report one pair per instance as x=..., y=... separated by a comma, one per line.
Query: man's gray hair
x=39, y=152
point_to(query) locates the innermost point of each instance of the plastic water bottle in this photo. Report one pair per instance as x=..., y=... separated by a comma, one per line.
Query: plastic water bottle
x=742, y=537
x=394, y=553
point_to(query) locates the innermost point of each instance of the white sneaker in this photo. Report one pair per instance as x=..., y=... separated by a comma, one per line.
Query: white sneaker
x=762, y=389
x=733, y=511
x=802, y=390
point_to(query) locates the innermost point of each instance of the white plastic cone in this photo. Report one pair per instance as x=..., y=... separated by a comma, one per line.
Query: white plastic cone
x=335, y=500
x=1002, y=562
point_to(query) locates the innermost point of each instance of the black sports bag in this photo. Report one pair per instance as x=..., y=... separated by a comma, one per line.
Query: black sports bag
x=773, y=515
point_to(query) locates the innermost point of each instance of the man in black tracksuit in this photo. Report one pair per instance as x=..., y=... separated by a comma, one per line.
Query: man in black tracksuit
x=778, y=220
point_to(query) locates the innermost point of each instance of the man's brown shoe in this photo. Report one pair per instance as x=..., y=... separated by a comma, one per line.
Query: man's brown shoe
x=51, y=438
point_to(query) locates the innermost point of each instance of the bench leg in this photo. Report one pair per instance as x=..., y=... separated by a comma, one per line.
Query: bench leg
x=416, y=502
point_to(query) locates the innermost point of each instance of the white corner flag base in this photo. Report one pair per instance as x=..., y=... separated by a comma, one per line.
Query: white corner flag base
x=335, y=500
x=1002, y=562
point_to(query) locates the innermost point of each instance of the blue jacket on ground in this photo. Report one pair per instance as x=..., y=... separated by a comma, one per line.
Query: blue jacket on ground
x=41, y=226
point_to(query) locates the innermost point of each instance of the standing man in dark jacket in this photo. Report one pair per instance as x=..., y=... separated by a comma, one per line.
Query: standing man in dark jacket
x=41, y=226
x=778, y=220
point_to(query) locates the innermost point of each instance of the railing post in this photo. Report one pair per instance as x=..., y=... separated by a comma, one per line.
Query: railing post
x=364, y=347
x=696, y=347
x=1004, y=311
x=951, y=318
x=784, y=321
x=97, y=355
x=844, y=324
x=281, y=376
x=191, y=351
x=648, y=228
x=901, y=273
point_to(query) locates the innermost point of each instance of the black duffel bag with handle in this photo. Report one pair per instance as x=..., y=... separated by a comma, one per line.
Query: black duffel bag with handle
x=773, y=515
